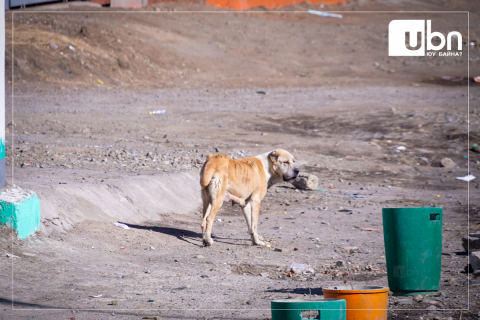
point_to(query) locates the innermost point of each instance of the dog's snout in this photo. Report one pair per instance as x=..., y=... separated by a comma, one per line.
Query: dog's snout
x=296, y=171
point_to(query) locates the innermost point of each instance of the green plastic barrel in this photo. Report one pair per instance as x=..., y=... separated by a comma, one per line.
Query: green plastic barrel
x=292, y=309
x=413, y=249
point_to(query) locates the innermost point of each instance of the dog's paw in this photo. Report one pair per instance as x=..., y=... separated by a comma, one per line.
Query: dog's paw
x=261, y=238
x=259, y=243
x=207, y=243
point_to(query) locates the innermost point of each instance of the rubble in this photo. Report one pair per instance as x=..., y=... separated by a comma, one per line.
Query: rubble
x=306, y=181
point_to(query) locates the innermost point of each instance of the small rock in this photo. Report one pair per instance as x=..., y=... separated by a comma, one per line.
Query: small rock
x=264, y=274
x=306, y=181
x=418, y=298
x=432, y=308
x=199, y=257
x=451, y=282
x=448, y=163
x=472, y=242
x=405, y=301
x=475, y=260
x=339, y=263
x=476, y=274
x=114, y=303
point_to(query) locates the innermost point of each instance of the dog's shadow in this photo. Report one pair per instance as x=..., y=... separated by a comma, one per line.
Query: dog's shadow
x=307, y=291
x=188, y=236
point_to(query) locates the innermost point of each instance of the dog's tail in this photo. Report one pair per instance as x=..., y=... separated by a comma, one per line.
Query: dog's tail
x=215, y=164
x=207, y=172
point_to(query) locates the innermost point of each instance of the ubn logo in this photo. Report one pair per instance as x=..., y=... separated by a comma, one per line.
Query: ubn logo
x=398, y=30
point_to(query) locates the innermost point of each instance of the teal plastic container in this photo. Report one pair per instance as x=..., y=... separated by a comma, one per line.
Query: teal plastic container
x=291, y=309
x=413, y=249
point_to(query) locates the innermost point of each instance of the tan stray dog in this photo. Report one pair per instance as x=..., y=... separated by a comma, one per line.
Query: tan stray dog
x=243, y=181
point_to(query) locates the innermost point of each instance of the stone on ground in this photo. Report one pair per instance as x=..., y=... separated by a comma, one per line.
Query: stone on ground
x=306, y=181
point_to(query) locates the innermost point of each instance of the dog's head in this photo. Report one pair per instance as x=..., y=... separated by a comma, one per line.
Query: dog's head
x=283, y=164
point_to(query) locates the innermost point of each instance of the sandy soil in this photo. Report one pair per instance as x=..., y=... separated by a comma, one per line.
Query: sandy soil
x=332, y=97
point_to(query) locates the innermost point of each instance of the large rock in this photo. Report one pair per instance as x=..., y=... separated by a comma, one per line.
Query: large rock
x=472, y=241
x=475, y=260
x=448, y=163
x=306, y=181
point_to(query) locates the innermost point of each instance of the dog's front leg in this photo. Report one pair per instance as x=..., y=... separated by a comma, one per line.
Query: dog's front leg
x=255, y=214
x=247, y=212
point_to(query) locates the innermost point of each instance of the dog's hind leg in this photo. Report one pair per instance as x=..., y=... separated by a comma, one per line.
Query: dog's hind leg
x=207, y=207
x=217, y=189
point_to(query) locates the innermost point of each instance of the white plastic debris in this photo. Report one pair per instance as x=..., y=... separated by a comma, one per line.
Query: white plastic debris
x=300, y=268
x=325, y=14
x=466, y=178
x=71, y=48
x=401, y=148
x=121, y=225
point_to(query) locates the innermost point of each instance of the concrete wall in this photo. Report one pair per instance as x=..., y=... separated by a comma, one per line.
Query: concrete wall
x=130, y=200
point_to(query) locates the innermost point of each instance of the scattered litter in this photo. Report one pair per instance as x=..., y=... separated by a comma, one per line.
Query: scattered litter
x=261, y=92
x=71, y=48
x=11, y=255
x=476, y=79
x=219, y=220
x=268, y=246
x=331, y=186
x=219, y=124
x=401, y=148
x=346, y=193
x=123, y=248
x=121, y=225
x=321, y=190
x=285, y=212
x=159, y=111
x=98, y=296
x=152, y=248
x=199, y=257
x=53, y=45
x=369, y=229
x=466, y=157
x=100, y=81
x=325, y=14
x=294, y=267
x=475, y=147
x=466, y=178
x=203, y=276
x=438, y=196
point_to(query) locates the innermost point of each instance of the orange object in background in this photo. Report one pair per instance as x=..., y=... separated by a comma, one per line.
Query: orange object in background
x=269, y=4
x=101, y=2
x=363, y=302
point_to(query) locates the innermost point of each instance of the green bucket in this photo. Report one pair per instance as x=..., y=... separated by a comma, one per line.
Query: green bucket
x=292, y=309
x=413, y=249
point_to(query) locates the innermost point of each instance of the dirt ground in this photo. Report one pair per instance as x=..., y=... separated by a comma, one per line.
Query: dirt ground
x=241, y=83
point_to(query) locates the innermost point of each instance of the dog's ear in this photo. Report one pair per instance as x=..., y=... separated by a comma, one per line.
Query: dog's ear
x=273, y=156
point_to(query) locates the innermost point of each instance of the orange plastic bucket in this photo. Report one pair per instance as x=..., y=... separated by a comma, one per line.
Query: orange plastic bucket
x=363, y=302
